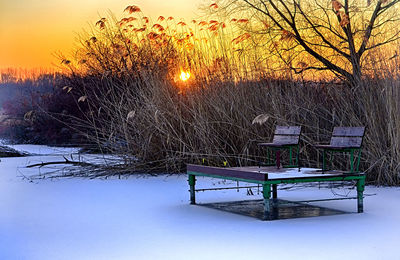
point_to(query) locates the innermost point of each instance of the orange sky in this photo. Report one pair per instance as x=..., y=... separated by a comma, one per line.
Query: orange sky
x=32, y=31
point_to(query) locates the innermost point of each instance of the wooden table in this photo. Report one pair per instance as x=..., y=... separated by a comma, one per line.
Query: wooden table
x=270, y=177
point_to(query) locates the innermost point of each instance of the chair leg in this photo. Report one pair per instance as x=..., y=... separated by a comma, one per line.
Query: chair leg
x=278, y=158
x=274, y=191
x=352, y=160
x=297, y=157
x=358, y=159
x=269, y=156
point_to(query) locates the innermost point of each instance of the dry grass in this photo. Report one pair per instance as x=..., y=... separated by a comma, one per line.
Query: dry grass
x=164, y=128
x=135, y=106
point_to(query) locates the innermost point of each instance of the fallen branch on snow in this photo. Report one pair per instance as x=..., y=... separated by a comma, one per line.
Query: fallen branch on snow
x=74, y=163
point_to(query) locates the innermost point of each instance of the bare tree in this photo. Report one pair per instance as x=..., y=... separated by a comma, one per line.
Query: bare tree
x=321, y=34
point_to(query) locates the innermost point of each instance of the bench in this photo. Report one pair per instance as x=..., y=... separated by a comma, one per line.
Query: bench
x=344, y=140
x=285, y=138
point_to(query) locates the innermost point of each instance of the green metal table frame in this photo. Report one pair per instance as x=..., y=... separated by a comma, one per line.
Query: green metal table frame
x=269, y=186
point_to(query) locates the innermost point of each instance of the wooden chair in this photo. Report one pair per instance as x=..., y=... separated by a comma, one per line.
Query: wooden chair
x=344, y=140
x=285, y=138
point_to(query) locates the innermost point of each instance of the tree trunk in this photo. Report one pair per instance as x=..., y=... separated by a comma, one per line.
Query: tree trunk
x=357, y=74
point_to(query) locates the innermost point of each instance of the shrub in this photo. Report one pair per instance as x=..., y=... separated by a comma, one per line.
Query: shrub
x=38, y=111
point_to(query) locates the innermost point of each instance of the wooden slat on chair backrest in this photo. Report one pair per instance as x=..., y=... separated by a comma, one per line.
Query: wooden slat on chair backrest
x=347, y=136
x=287, y=135
x=286, y=139
x=287, y=130
x=349, y=131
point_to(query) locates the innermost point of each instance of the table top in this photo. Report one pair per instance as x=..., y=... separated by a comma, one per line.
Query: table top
x=274, y=173
x=265, y=173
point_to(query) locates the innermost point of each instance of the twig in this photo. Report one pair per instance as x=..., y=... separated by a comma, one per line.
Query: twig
x=59, y=162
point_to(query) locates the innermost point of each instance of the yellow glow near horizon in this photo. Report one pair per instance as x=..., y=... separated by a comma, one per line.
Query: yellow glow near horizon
x=184, y=75
x=32, y=32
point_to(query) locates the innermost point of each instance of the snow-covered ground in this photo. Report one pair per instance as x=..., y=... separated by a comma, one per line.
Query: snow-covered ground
x=44, y=149
x=150, y=218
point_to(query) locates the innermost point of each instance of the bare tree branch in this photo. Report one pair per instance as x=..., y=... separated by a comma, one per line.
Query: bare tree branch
x=333, y=38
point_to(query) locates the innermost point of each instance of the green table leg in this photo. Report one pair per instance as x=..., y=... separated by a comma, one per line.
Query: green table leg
x=267, y=202
x=360, y=196
x=192, y=183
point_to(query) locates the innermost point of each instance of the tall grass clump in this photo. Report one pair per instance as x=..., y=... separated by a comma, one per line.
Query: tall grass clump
x=125, y=78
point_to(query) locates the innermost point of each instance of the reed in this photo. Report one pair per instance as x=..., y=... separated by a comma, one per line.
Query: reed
x=125, y=79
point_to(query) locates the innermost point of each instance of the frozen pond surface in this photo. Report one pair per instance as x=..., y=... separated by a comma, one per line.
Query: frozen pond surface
x=150, y=218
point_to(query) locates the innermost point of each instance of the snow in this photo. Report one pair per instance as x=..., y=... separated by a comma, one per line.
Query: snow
x=150, y=218
x=288, y=173
x=44, y=150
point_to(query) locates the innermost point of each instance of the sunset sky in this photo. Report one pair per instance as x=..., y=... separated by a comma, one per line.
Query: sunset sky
x=32, y=31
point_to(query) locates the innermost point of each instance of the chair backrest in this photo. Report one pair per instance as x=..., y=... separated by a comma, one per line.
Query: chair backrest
x=289, y=135
x=347, y=136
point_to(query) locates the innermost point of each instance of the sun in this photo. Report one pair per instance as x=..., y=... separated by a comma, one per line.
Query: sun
x=184, y=75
